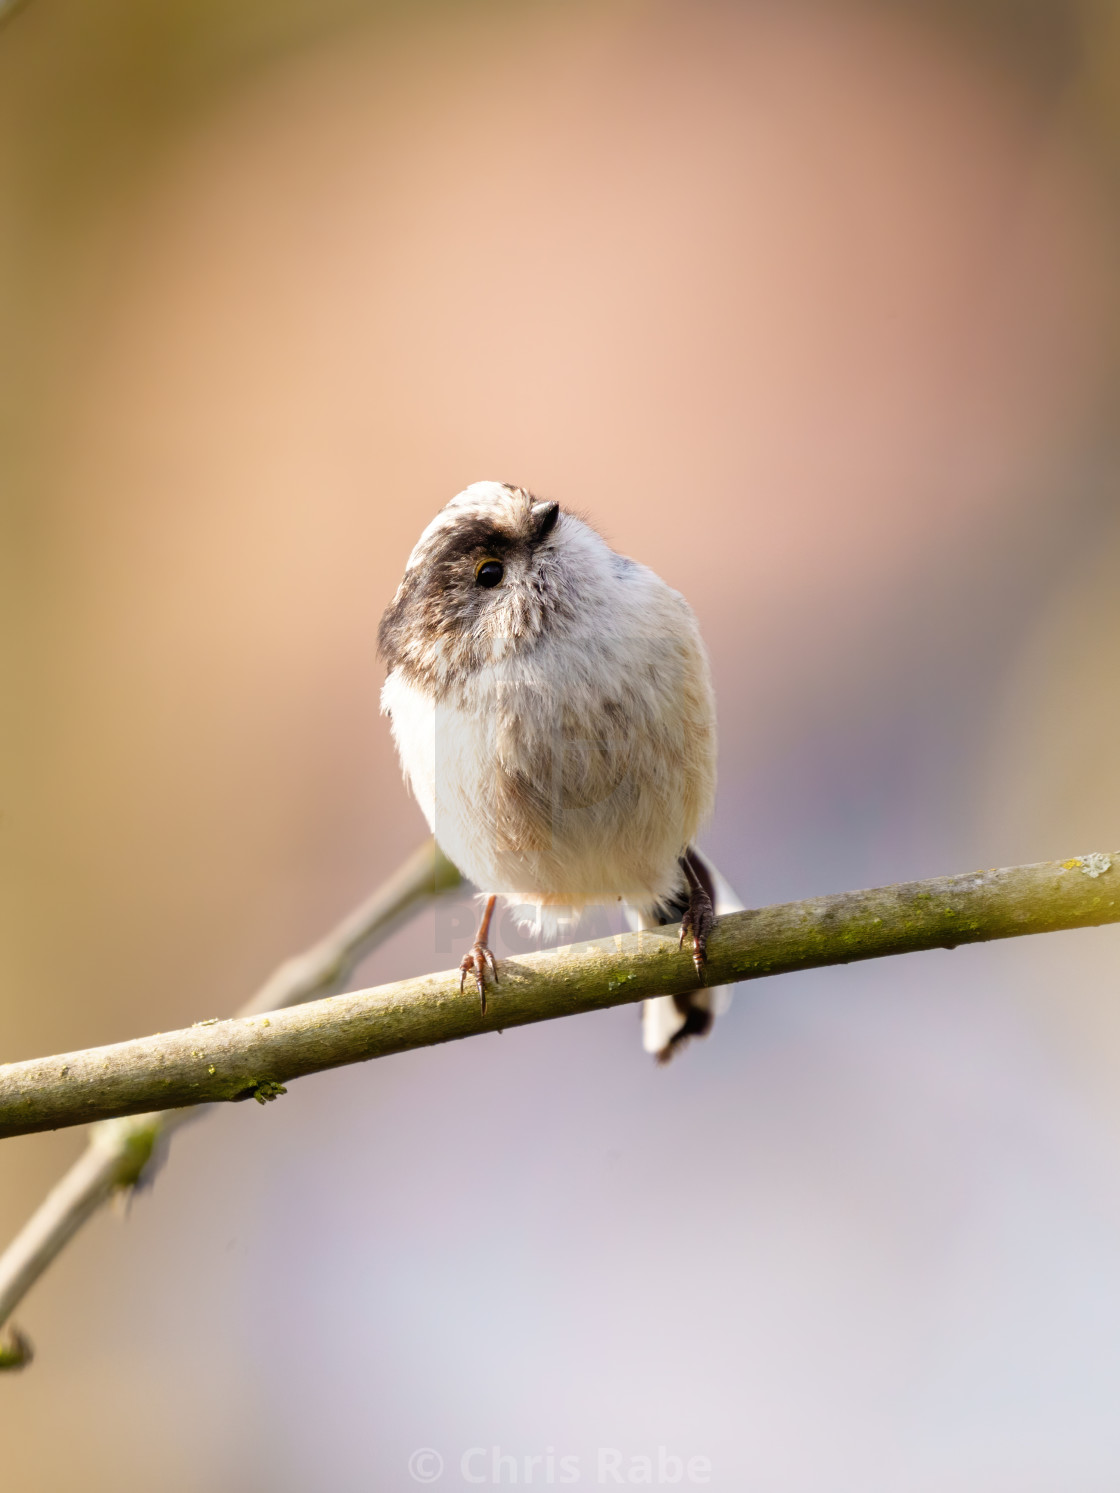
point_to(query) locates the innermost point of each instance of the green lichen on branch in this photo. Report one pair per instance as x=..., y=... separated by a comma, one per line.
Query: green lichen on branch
x=263, y=1090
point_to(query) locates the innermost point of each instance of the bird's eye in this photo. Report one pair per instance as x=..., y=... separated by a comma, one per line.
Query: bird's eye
x=489, y=573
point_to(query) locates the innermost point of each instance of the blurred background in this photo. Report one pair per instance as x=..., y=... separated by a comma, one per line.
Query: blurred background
x=810, y=306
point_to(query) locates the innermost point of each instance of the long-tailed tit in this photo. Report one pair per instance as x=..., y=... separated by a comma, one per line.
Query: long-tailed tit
x=552, y=706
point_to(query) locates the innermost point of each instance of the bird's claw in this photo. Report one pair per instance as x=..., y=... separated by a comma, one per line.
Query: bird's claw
x=698, y=921
x=476, y=962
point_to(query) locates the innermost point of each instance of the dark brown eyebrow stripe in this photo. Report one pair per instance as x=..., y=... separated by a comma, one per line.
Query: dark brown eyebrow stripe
x=471, y=536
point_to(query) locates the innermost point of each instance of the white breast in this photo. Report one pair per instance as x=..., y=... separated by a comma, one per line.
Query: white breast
x=448, y=759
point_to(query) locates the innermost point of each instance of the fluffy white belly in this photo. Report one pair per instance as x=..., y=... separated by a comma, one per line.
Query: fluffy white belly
x=538, y=814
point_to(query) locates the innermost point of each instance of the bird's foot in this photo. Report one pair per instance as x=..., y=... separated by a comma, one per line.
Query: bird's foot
x=476, y=962
x=698, y=921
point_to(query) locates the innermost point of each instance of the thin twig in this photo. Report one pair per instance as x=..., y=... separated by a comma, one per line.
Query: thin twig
x=253, y=1056
x=125, y=1152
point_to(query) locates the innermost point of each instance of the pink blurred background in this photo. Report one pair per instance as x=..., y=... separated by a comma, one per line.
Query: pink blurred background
x=811, y=307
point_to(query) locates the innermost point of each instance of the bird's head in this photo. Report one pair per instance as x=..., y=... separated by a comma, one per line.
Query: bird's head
x=493, y=571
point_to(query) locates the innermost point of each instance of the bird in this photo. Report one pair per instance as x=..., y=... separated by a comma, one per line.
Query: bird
x=552, y=707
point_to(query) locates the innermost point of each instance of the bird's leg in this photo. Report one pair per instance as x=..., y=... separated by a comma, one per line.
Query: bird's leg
x=700, y=916
x=480, y=958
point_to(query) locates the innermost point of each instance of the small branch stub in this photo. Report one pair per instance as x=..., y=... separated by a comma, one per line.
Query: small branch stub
x=15, y=1350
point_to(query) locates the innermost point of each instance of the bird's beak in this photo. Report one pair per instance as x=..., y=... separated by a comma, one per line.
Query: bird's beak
x=544, y=517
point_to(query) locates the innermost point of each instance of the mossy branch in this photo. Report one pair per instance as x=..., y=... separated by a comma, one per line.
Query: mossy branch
x=250, y=1056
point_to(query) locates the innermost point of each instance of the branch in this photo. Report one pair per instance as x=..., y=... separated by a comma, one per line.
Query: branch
x=126, y=1152
x=253, y=1056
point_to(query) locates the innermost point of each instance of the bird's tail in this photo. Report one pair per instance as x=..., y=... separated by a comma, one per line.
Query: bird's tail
x=668, y=1021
